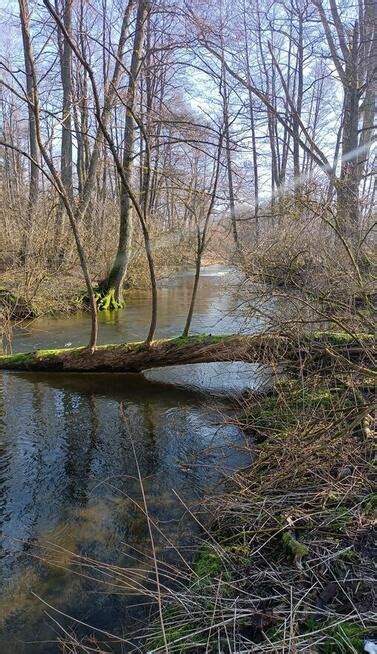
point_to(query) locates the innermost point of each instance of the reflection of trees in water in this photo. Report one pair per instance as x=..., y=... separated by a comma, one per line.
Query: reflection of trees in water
x=71, y=474
x=80, y=444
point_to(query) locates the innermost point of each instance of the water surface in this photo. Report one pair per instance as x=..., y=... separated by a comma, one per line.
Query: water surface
x=69, y=482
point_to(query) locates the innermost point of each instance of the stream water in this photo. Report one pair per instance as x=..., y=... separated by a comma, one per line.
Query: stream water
x=69, y=481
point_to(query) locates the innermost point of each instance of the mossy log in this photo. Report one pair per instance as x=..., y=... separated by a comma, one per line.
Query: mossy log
x=133, y=357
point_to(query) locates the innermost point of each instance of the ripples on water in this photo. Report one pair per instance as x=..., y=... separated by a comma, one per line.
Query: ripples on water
x=68, y=479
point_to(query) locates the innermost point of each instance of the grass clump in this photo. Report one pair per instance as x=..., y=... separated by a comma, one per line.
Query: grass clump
x=344, y=638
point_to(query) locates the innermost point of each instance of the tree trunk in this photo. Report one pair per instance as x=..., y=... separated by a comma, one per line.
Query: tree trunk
x=348, y=185
x=66, y=166
x=232, y=205
x=198, y=265
x=113, y=286
x=33, y=141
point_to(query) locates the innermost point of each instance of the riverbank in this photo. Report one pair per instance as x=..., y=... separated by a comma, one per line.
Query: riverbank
x=286, y=565
x=24, y=296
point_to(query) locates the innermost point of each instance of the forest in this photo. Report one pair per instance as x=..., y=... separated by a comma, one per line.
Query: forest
x=187, y=326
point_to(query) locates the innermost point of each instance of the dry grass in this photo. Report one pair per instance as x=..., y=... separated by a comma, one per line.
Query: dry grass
x=285, y=562
x=288, y=566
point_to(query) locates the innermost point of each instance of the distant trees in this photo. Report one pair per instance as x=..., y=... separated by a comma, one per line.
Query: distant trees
x=275, y=68
x=352, y=43
x=105, y=108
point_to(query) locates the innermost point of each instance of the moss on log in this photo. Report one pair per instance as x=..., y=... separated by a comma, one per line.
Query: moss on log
x=134, y=357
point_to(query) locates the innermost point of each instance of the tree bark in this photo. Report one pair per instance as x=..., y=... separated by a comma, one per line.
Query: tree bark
x=113, y=286
x=66, y=165
x=33, y=141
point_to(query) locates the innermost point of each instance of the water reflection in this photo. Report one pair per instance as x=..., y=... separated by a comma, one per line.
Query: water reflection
x=69, y=484
x=69, y=489
x=216, y=311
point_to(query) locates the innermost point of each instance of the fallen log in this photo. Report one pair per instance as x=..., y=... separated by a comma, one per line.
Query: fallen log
x=134, y=357
x=262, y=348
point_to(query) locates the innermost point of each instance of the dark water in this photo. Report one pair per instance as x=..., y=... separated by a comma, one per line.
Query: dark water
x=71, y=506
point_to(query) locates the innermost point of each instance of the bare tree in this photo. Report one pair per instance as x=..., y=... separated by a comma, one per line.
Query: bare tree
x=66, y=164
x=33, y=140
x=201, y=207
x=113, y=286
x=33, y=103
x=354, y=60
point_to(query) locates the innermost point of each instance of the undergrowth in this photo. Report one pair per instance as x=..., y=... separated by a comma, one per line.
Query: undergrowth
x=287, y=564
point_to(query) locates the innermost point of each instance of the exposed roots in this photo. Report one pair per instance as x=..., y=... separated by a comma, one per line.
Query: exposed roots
x=107, y=302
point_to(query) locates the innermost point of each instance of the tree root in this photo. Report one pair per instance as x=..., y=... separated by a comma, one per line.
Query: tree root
x=107, y=302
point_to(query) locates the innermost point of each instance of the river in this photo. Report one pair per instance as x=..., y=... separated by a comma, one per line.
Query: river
x=71, y=446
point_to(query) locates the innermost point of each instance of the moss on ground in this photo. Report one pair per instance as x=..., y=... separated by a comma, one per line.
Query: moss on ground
x=296, y=549
x=207, y=562
x=210, y=562
x=343, y=638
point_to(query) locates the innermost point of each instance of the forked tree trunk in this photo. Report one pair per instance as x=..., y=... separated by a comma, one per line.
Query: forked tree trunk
x=113, y=286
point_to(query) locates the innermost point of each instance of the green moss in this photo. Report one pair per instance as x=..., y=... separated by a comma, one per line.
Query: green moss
x=204, y=339
x=107, y=302
x=15, y=360
x=343, y=639
x=207, y=562
x=298, y=550
x=239, y=554
x=341, y=338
